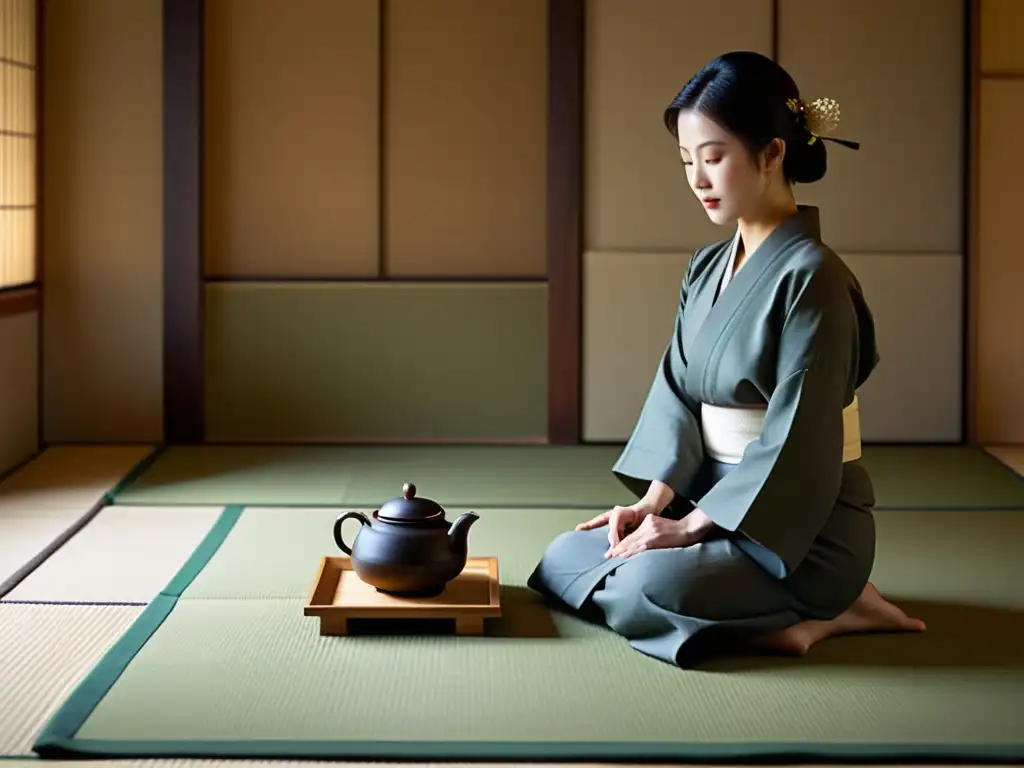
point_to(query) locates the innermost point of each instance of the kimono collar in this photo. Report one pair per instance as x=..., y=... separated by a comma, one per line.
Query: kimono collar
x=712, y=308
x=715, y=305
x=806, y=220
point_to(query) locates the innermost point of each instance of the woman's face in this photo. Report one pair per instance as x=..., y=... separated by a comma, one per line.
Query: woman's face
x=719, y=168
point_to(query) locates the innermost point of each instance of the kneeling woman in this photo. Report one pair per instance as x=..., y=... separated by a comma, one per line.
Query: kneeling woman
x=754, y=521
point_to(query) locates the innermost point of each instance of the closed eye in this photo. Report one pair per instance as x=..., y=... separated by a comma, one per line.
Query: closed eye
x=708, y=161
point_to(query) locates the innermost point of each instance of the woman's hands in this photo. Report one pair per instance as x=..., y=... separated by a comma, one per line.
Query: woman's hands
x=649, y=529
x=655, y=532
x=619, y=519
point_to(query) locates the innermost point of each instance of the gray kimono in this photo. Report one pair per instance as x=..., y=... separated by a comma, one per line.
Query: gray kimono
x=790, y=333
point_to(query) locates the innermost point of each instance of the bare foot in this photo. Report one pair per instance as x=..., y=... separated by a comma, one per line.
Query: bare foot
x=870, y=613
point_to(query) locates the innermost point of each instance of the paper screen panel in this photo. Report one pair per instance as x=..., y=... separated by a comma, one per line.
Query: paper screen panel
x=897, y=71
x=17, y=246
x=18, y=31
x=639, y=55
x=291, y=137
x=103, y=228
x=18, y=166
x=315, y=362
x=915, y=394
x=466, y=127
x=629, y=305
x=17, y=93
x=1000, y=270
x=17, y=171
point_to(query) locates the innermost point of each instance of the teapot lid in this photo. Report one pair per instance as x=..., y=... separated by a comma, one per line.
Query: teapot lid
x=407, y=507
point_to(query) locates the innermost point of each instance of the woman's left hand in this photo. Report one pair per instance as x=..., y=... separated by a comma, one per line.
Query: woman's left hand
x=656, y=532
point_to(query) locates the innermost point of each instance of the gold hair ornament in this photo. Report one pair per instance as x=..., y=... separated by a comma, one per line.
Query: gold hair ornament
x=820, y=117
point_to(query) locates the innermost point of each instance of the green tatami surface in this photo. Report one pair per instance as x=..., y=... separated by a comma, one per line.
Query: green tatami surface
x=932, y=477
x=225, y=664
x=369, y=475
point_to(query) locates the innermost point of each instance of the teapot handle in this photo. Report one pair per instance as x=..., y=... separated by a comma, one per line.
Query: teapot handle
x=338, y=538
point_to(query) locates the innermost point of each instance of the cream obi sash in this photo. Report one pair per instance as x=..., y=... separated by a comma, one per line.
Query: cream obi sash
x=728, y=430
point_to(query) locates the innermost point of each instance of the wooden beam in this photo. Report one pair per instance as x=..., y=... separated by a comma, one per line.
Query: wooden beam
x=969, y=223
x=39, y=97
x=40, y=256
x=18, y=301
x=183, y=265
x=565, y=218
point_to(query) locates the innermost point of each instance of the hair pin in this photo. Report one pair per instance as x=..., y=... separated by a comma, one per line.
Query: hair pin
x=821, y=117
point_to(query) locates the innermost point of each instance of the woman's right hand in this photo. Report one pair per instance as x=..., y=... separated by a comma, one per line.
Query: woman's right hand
x=618, y=519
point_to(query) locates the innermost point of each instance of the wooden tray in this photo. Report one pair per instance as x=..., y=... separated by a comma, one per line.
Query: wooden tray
x=338, y=595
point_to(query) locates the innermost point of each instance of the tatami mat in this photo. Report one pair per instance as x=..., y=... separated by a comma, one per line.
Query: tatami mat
x=45, y=650
x=518, y=476
x=71, y=476
x=289, y=543
x=941, y=477
x=1011, y=455
x=971, y=557
x=24, y=535
x=243, y=672
x=258, y=671
x=368, y=475
x=124, y=555
x=49, y=498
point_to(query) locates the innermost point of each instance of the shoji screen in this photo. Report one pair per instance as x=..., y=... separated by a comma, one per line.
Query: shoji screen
x=17, y=143
x=999, y=275
x=103, y=222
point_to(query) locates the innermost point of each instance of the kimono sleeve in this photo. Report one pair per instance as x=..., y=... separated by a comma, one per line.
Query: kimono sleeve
x=666, y=443
x=788, y=481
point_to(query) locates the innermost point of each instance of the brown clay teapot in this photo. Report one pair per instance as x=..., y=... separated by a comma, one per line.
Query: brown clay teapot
x=408, y=549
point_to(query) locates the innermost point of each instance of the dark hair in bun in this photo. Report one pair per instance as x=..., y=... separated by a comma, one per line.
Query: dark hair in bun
x=748, y=95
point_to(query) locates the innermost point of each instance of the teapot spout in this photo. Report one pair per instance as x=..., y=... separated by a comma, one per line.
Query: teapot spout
x=458, y=534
